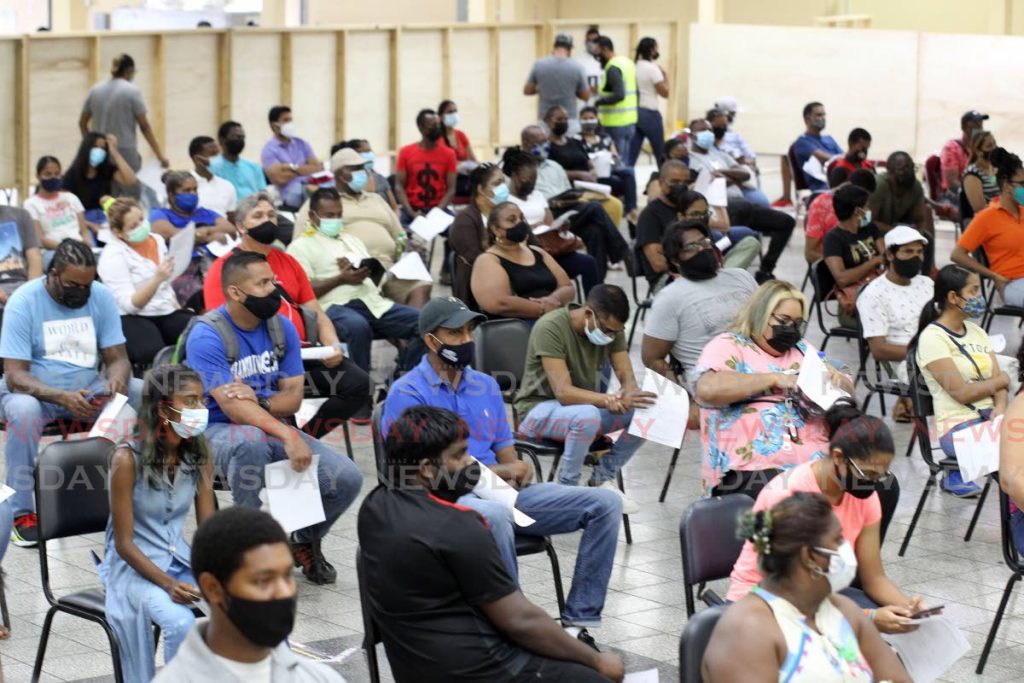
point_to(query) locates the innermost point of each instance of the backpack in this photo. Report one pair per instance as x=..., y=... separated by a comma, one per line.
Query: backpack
x=219, y=322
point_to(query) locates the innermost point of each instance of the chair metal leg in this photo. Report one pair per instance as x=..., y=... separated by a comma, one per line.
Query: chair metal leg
x=348, y=440
x=917, y=512
x=995, y=623
x=115, y=652
x=4, y=614
x=668, y=475
x=156, y=638
x=44, y=638
x=372, y=665
x=977, y=509
x=867, y=400
x=625, y=518
x=632, y=330
x=910, y=444
x=557, y=573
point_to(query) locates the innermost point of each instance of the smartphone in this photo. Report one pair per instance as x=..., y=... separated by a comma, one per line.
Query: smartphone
x=98, y=396
x=930, y=612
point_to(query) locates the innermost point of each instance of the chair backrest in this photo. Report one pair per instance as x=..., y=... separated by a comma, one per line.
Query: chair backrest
x=923, y=407
x=371, y=635
x=164, y=356
x=708, y=541
x=1010, y=554
x=794, y=169
x=378, y=441
x=694, y=641
x=933, y=176
x=71, y=487
x=501, y=352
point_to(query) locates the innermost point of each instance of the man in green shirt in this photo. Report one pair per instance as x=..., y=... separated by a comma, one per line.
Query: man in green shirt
x=899, y=199
x=560, y=396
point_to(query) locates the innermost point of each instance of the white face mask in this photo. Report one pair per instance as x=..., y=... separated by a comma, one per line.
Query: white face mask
x=192, y=423
x=288, y=129
x=842, y=566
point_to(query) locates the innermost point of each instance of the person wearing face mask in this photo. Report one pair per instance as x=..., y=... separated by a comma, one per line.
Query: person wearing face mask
x=287, y=159
x=821, y=215
x=215, y=193
x=751, y=425
x=245, y=176
x=618, y=96
x=749, y=189
x=56, y=331
x=253, y=391
x=447, y=328
x=794, y=625
x=25, y=259
x=184, y=209
x=732, y=142
x=857, y=145
x=468, y=235
x=331, y=258
x=559, y=81
x=979, y=184
x=954, y=155
x=438, y=586
x=854, y=477
x=243, y=568
x=514, y=280
x=814, y=144
x=562, y=394
x=137, y=269
x=375, y=182
x=425, y=170
x=155, y=477
x=93, y=174
x=455, y=139
x=57, y=213
x=956, y=359
x=852, y=250
x=899, y=199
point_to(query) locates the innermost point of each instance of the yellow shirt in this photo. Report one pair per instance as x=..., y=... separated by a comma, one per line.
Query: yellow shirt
x=936, y=343
x=318, y=255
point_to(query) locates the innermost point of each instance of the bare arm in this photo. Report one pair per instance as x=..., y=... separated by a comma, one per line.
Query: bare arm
x=119, y=368
x=884, y=663
x=312, y=165
x=975, y=196
x=877, y=585
x=623, y=369
x=403, y=198
x=21, y=380
x=725, y=387
x=719, y=219
x=653, y=352
x=844, y=276
x=566, y=290
x=949, y=378
x=952, y=178
x=821, y=155
x=812, y=249
x=123, y=175
x=746, y=647
x=493, y=292
x=44, y=241
x=449, y=193
x=147, y=132
x=531, y=89
x=961, y=257
x=83, y=123
x=280, y=174
x=923, y=218
x=883, y=350
x=163, y=227
x=583, y=94
x=244, y=411
x=655, y=258
x=34, y=257
x=83, y=228
x=1011, y=455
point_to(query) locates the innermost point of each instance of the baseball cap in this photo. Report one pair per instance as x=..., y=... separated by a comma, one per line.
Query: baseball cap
x=446, y=312
x=563, y=40
x=346, y=157
x=728, y=103
x=973, y=115
x=903, y=234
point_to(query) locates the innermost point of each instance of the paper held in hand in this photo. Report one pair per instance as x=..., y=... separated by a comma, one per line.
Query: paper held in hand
x=713, y=189
x=180, y=249
x=433, y=224
x=410, y=267
x=294, y=497
x=599, y=188
x=977, y=449
x=116, y=422
x=218, y=249
x=816, y=382
x=665, y=421
x=493, y=487
x=931, y=650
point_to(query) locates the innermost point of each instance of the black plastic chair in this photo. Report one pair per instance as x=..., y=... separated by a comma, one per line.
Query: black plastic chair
x=821, y=276
x=988, y=288
x=635, y=271
x=880, y=385
x=679, y=371
x=525, y=544
x=371, y=635
x=694, y=641
x=1013, y=561
x=922, y=408
x=80, y=506
x=709, y=545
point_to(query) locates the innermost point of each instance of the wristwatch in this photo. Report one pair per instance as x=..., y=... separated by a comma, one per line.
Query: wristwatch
x=294, y=167
x=264, y=403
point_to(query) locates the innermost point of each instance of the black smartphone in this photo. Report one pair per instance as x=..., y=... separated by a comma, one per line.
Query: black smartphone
x=930, y=612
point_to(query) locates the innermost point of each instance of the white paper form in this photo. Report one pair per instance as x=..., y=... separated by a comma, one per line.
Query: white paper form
x=977, y=449
x=294, y=497
x=931, y=650
x=665, y=421
x=433, y=224
x=180, y=249
x=599, y=188
x=410, y=267
x=218, y=249
x=493, y=487
x=116, y=422
x=713, y=189
x=649, y=676
x=816, y=382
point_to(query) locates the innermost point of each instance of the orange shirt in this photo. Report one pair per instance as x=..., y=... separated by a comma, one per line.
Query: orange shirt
x=995, y=229
x=146, y=249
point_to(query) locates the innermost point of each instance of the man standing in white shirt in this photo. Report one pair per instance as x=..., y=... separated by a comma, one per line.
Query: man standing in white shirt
x=215, y=193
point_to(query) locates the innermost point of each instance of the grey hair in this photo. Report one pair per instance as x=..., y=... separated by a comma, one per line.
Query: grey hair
x=247, y=204
x=173, y=180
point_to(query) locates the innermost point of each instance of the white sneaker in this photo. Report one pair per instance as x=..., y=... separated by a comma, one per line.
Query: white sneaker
x=629, y=506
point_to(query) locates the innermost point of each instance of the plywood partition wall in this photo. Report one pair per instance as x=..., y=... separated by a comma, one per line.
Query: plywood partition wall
x=344, y=82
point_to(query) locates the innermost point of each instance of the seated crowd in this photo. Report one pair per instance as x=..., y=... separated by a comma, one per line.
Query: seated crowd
x=291, y=281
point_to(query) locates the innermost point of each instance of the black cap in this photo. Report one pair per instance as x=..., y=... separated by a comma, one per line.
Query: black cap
x=446, y=312
x=972, y=115
x=563, y=40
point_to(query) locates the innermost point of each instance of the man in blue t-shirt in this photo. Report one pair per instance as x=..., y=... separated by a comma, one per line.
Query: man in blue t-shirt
x=813, y=144
x=443, y=379
x=250, y=398
x=56, y=330
x=246, y=176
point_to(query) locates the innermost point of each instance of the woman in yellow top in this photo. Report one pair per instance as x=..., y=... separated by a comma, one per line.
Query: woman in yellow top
x=958, y=364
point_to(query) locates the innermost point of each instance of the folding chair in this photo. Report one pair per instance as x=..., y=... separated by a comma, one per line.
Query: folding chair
x=371, y=634
x=988, y=289
x=710, y=547
x=694, y=641
x=642, y=305
x=821, y=279
x=879, y=386
x=1013, y=560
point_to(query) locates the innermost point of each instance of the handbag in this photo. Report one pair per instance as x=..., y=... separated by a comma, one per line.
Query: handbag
x=559, y=242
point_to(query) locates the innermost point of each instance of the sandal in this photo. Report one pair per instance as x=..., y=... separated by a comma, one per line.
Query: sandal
x=901, y=412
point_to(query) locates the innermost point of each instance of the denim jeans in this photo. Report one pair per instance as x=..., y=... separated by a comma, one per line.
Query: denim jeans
x=578, y=426
x=946, y=441
x=623, y=183
x=622, y=136
x=1017, y=527
x=26, y=416
x=356, y=325
x=174, y=620
x=756, y=196
x=1014, y=292
x=559, y=509
x=241, y=453
x=649, y=125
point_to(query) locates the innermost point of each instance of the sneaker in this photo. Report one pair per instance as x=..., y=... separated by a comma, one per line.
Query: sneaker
x=781, y=203
x=315, y=566
x=581, y=634
x=954, y=484
x=25, y=533
x=629, y=506
x=762, y=277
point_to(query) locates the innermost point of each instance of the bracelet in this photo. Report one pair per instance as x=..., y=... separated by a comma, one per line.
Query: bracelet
x=870, y=613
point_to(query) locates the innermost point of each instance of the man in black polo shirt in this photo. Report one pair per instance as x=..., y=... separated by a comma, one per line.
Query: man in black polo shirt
x=436, y=586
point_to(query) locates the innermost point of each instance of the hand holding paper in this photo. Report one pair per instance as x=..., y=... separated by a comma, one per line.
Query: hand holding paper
x=433, y=224
x=665, y=421
x=493, y=487
x=294, y=497
x=816, y=381
x=180, y=249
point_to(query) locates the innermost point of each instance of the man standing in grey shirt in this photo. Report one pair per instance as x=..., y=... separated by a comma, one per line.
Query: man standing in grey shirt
x=116, y=106
x=559, y=81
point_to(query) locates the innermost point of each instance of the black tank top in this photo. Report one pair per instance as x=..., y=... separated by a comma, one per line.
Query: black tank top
x=533, y=281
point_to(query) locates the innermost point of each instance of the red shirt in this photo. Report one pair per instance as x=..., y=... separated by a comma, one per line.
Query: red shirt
x=821, y=216
x=289, y=275
x=843, y=162
x=461, y=148
x=953, y=156
x=426, y=173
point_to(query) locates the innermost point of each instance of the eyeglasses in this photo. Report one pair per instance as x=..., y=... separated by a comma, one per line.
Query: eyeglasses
x=799, y=323
x=698, y=215
x=601, y=326
x=700, y=245
x=873, y=478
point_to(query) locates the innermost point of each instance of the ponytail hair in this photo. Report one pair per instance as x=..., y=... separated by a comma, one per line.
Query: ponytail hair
x=857, y=435
x=951, y=278
x=778, y=535
x=1007, y=164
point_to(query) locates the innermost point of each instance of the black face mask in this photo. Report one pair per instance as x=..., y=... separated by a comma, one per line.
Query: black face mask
x=451, y=486
x=264, y=233
x=655, y=56
x=72, y=297
x=263, y=622
x=719, y=132
x=457, y=356
x=908, y=267
x=701, y=266
x=519, y=233
x=434, y=134
x=263, y=307
x=526, y=188
x=784, y=337
x=854, y=485
x=234, y=146
x=560, y=128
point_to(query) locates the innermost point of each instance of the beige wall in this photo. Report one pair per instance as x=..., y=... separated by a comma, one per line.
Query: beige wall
x=323, y=12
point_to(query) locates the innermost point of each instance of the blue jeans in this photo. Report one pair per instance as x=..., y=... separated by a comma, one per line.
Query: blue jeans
x=756, y=195
x=736, y=233
x=26, y=416
x=576, y=264
x=356, y=325
x=651, y=126
x=241, y=452
x=562, y=510
x=1017, y=527
x=946, y=440
x=578, y=426
x=622, y=136
x=174, y=620
x=1014, y=292
x=623, y=182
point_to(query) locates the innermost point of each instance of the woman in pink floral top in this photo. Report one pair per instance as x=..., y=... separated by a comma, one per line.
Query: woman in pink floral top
x=750, y=429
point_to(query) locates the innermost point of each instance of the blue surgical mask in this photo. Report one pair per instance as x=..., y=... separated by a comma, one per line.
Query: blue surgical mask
x=865, y=220
x=501, y=193
x=1018, y=194
x=186, y=201
x=975, y=306
x=97, y=155
x=358, y=180
x=191, y=423
x=370, y=158
x=451, y=120
x=331, y=227
x=705, y=139
x=597, y=336
x=540, y=151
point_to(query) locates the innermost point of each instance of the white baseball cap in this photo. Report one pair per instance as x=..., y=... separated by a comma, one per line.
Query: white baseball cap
x=728, y=103
x=903, y=234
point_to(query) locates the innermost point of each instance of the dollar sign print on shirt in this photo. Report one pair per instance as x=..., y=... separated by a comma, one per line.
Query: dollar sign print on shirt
x=426, y=179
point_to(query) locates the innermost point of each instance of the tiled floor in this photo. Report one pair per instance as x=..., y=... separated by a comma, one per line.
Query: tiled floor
x=644, y=613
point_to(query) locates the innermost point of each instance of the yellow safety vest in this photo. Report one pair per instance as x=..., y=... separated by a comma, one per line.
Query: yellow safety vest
x=623, y=112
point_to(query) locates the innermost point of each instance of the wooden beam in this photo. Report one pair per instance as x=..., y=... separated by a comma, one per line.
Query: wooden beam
x=339, y=85
x=21, y=137
x=159, y=121
x=634, y=38
x=494, y=133
x=95, y=57
x=673, y=79
x=224, y=48
x=394, y=94
x=446, y=63
x=286, y=68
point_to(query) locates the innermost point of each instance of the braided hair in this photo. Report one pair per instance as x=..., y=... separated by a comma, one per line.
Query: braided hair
x=72, y=252
x=516, y=158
